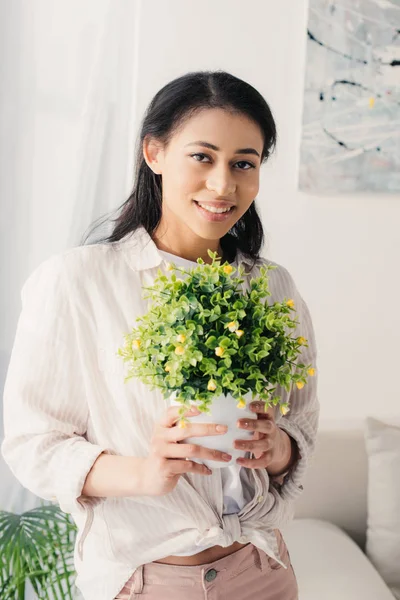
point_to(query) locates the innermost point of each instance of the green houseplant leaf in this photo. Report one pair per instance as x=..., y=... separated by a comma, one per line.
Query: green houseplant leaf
x=38, y=546
x=204, y=336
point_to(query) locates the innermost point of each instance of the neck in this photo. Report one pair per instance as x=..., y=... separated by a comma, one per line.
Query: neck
x=189, y=247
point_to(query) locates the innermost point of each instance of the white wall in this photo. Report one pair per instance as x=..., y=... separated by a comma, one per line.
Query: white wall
x=343, y=251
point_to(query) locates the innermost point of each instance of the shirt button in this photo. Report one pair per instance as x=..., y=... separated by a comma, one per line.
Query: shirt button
x=260, y=499
x=211, y=575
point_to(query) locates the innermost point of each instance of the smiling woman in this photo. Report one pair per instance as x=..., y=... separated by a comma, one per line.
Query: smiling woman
x=202, y=143
x=205, y=193
x=151, y=520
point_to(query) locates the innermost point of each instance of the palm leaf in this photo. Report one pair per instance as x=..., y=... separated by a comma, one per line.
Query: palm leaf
x=37, y=545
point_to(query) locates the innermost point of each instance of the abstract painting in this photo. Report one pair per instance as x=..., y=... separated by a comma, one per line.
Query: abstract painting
x=351, y=113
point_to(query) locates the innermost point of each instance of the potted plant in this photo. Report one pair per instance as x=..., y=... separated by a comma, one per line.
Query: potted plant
x=37, y=546
x=206, y=341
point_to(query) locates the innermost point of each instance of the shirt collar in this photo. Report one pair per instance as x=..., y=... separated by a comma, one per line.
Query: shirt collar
x=142, y=253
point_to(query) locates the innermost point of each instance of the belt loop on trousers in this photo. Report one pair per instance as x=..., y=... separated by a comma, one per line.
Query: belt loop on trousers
x=137, y=583
x=263, y=561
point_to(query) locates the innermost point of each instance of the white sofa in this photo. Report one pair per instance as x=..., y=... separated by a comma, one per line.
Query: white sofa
x=326, y=539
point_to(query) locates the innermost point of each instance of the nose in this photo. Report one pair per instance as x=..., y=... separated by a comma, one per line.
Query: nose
x=221, y=182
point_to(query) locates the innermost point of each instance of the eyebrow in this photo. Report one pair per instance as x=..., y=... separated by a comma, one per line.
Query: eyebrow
x=213, y=147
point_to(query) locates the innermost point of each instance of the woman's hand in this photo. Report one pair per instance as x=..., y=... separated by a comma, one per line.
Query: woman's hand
x=169, y=458
x=270, y=445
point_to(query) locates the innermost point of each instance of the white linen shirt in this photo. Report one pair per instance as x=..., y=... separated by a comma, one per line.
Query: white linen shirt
x=65, y=402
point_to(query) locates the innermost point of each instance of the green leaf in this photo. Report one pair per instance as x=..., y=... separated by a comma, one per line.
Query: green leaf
x=198, y=355
x=211, y=342
x=37, y=545
x=270, y=319
x=190, y=390
x=221, y=371
x=224, y=342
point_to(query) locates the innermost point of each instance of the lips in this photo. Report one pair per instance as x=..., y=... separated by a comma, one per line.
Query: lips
x=220, y=204
x=211, y=216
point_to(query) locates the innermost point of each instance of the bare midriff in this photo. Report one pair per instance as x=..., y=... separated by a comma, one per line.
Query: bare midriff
x=202, y=558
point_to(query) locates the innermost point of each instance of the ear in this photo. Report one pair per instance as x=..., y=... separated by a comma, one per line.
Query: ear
x=153, y=153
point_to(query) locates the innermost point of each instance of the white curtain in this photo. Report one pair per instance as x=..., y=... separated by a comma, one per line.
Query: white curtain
x=67, y=133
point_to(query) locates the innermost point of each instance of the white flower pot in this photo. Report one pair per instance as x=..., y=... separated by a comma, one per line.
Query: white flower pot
x=224, y=411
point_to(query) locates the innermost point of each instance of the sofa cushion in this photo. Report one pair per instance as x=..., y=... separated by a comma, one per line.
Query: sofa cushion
x=329, y=565
x=383, y=521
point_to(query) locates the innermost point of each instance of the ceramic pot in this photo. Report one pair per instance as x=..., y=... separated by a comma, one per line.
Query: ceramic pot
x=224, y=411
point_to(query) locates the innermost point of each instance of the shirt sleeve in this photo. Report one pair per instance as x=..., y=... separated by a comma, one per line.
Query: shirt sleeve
x=301, y=422
x=44, y=404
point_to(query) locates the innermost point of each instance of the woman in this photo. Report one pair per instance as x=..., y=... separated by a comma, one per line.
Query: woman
x=149, y=521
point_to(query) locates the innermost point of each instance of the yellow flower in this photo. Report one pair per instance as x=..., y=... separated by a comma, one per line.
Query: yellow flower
x=301, y=340
x=300, y=384
x=211, y=385
x=284, y=409
x=371, y=102
x=136, y=344
x=170, y=267
x=219, y=351
x=290, y=303
x=181, y=424
x=181, y=338
x=228, y=269
x=232, y=326
x=311, y=372
x=241, y=403
x=179, y=350
x=239, y=332
x=167, y=368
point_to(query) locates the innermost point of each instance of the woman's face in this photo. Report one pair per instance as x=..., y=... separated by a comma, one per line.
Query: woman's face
x=223, y=176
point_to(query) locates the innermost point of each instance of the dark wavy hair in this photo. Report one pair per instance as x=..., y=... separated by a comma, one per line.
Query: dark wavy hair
x=170, y=108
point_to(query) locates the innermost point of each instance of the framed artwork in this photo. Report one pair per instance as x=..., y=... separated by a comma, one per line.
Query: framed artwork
x=351, y=113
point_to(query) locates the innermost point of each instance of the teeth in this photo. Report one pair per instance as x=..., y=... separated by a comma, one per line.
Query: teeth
x=213, y=209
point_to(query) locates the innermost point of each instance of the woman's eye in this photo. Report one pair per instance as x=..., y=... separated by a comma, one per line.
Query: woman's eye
x=242, y=162
x=199, y=154
x=245, y=162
